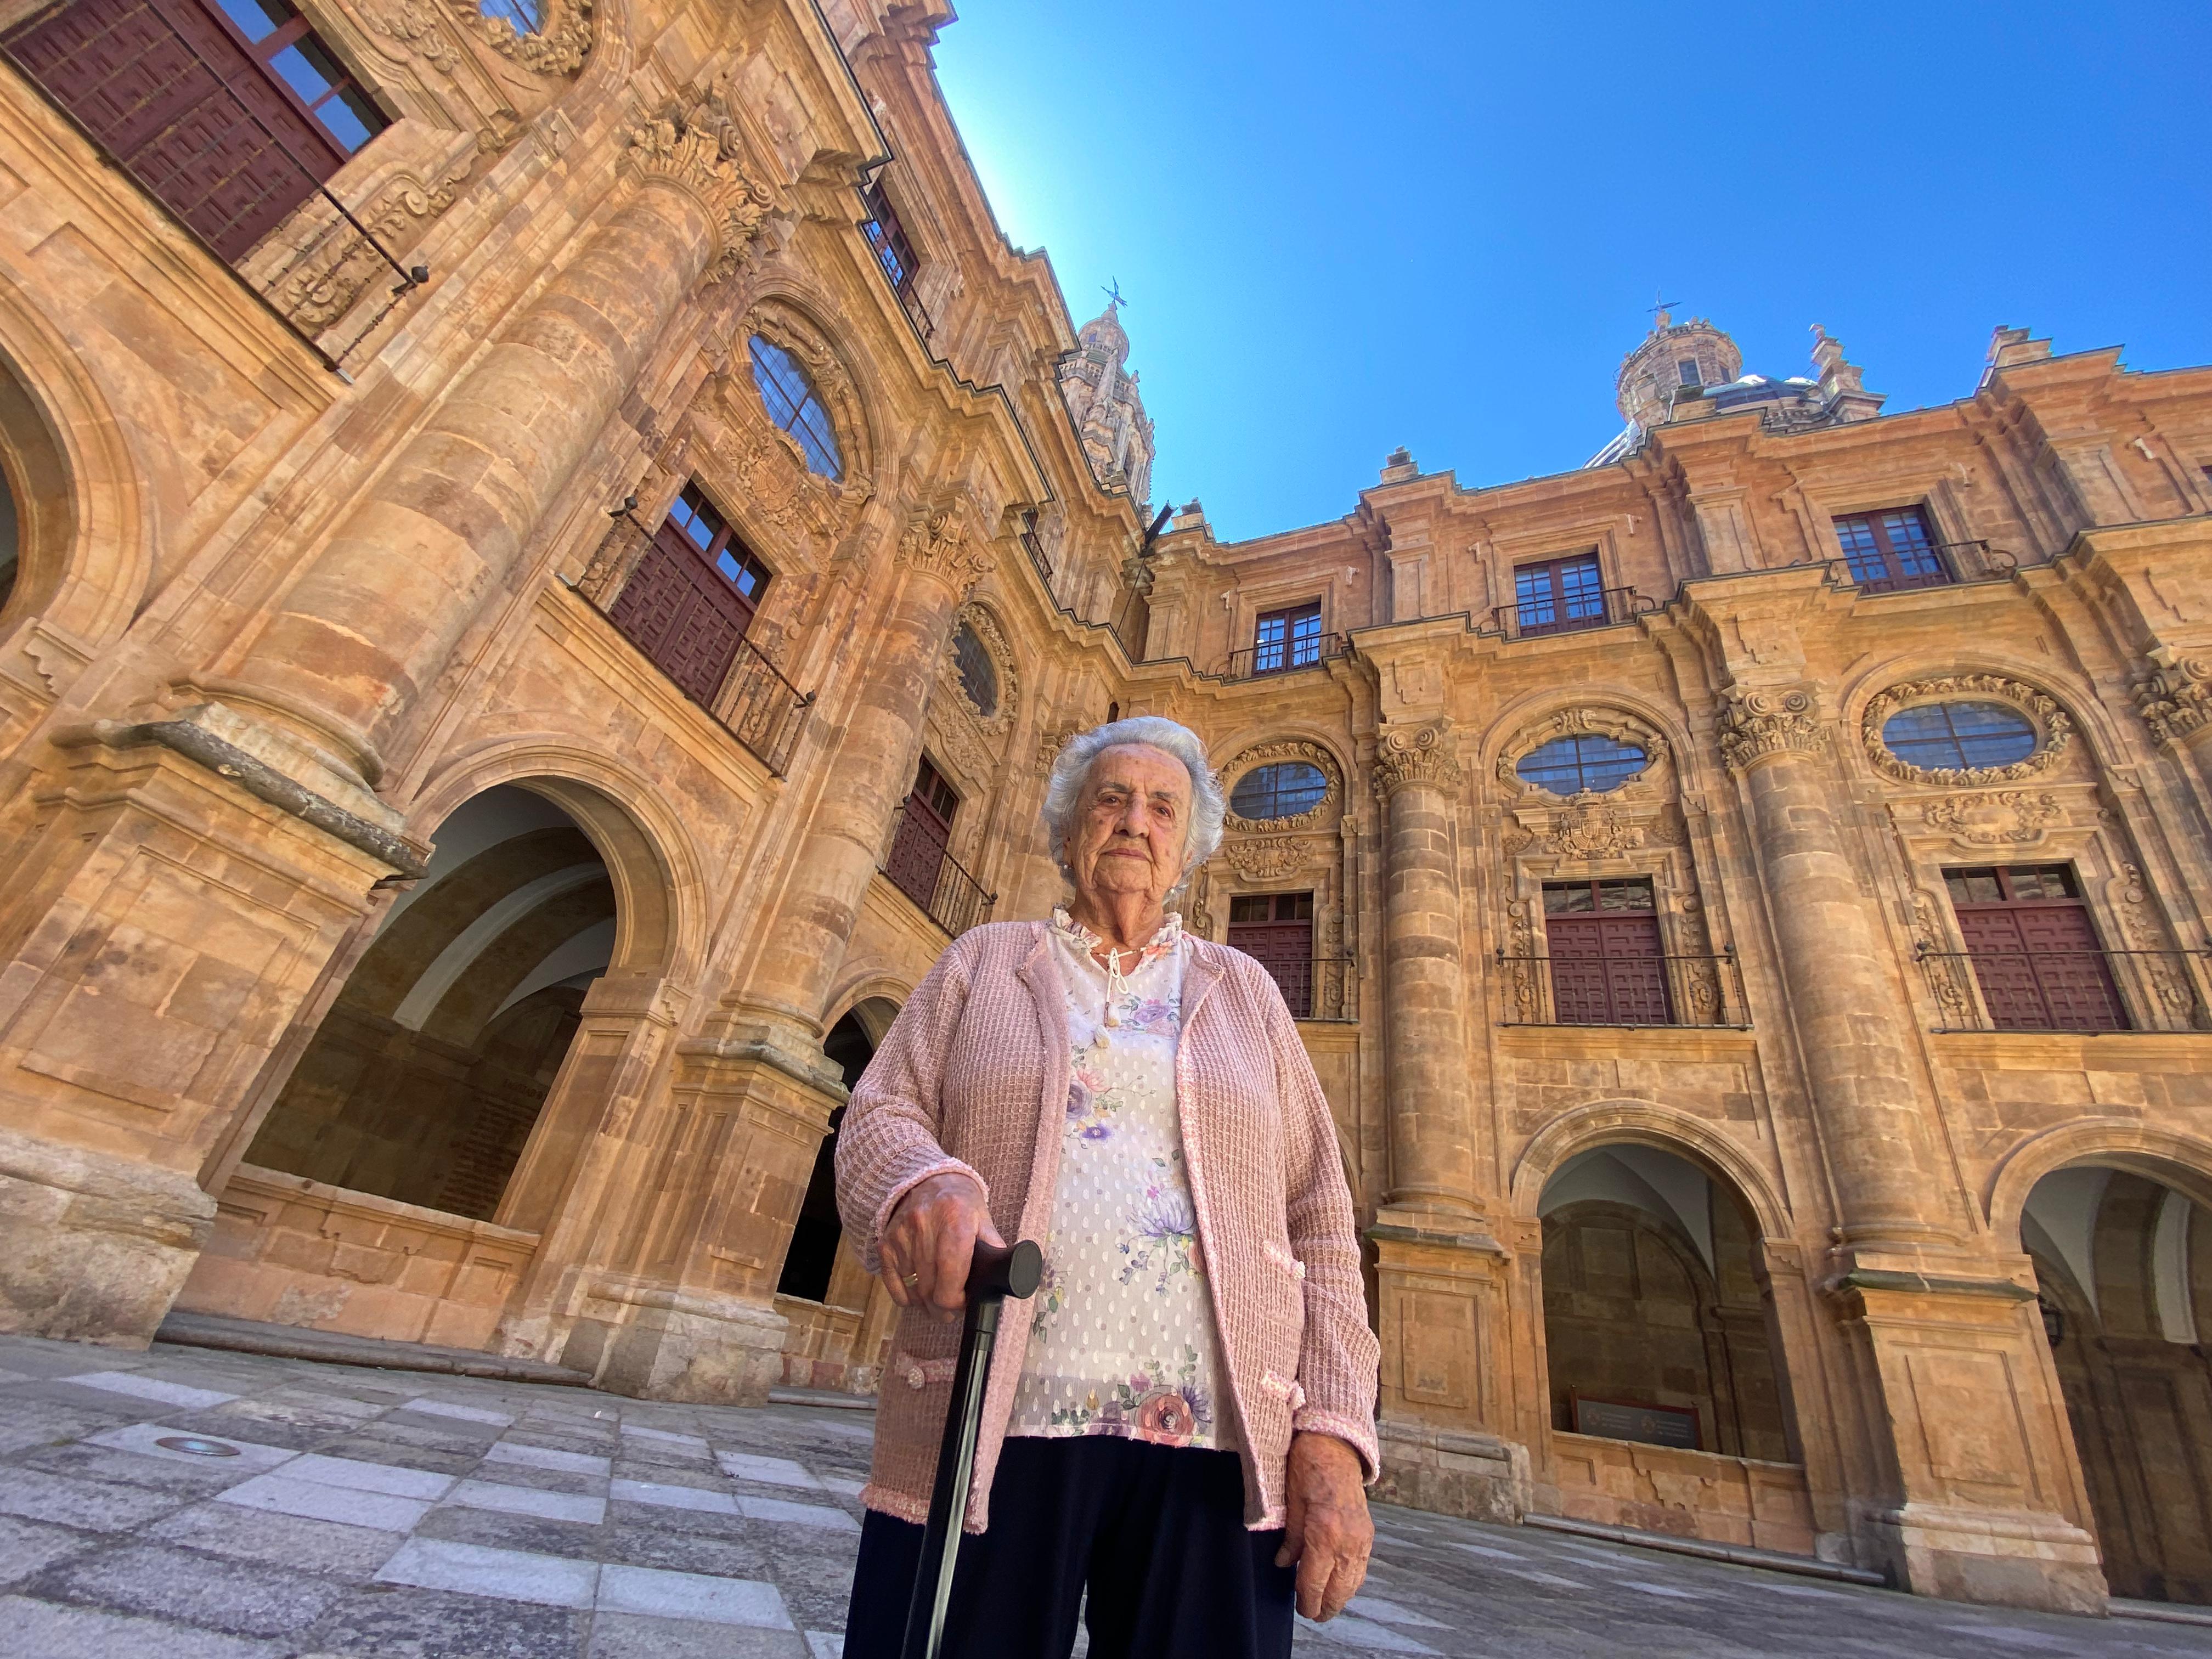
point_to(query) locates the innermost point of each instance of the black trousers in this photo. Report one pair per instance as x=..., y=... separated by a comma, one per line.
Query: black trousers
x=1156, y=1533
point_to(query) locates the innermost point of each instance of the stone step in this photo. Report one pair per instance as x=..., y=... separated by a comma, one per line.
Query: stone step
x=831, y=1398
x=1741, y=1555
x=199, y=1330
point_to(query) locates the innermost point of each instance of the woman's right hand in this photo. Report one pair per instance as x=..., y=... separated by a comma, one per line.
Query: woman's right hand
x=930, y=1240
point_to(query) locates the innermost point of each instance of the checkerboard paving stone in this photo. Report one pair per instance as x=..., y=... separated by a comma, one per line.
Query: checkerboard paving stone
x=375, y=1513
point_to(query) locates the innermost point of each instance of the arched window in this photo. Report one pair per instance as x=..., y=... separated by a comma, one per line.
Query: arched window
x=794, y=405
x=979, y=677
x=1946, y=737
x=9, y=538
x=1280, y=791
x=1587, y=762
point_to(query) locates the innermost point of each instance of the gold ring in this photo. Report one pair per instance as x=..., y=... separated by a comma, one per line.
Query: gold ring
x=913, y=1280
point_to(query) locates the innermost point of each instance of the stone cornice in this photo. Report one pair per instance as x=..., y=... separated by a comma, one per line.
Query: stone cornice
x=2173, y=695
x=936, y=545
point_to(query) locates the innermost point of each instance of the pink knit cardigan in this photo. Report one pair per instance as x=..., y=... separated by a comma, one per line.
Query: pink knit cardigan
x=973, y=1076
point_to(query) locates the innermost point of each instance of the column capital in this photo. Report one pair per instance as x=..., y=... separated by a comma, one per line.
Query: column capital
x=1410, y=753
x=1757, y=722
x=2173, y=695
x=935, y=543
x=694, y=151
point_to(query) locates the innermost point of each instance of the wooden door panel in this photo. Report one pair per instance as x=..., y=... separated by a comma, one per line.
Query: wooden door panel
x=2039, y=968
x=918, y=852
x=1285, y=948
x=1607, y=969
x=670, y=609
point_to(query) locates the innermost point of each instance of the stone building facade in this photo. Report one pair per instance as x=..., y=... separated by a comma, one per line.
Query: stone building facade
x=545, y=576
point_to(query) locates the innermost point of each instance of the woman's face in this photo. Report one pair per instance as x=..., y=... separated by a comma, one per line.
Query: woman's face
x=1132, y=824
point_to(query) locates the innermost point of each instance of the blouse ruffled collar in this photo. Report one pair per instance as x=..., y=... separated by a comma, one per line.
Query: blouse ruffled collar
x=1161, y=943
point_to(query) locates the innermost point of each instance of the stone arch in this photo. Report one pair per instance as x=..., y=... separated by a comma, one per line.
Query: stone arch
x=86, y=554
x=983, y=616
x=655, y=868
x=2178, y=1160
x=874, y=1000
x=1288, y=745
x=1647, y=1123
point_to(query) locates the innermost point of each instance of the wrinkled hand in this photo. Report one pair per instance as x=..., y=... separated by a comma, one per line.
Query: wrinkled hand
x=931, y=1235
x=1328, y=1533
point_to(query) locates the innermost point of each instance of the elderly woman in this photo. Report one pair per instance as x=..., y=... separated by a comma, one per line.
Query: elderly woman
x=1182, y=1421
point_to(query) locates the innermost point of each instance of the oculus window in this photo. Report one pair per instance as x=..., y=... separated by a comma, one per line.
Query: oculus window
x=1280, y=791
x=1948, y=737
x=793, y=403
x=1585, y=763
x=522, y=16
x=979, y=677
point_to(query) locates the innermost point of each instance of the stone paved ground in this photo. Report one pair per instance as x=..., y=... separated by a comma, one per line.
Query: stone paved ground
x=375, y=1512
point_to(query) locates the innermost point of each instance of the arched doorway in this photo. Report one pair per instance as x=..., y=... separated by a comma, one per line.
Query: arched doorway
x=2123, y=1268
x=423, y=1081
x=823, y=1291
x=1656, y=1328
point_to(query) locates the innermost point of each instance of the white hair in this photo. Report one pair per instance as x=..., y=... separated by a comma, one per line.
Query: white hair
x=1063, y=795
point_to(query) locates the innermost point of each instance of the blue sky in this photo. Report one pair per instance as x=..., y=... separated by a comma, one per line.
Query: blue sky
x=1344, y=229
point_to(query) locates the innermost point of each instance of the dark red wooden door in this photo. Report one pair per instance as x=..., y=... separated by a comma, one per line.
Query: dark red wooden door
x=925, y=828
x=1276, y=930
x=1608, y=965
x=683, y=613
x=168, y=91
x=2038, y=959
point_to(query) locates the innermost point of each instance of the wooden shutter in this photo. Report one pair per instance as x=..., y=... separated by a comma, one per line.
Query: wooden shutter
x=1279, y=936
x=2040, y=968
x=925, y=829
x=684, y=614
x=1607, y=969
x=168, y=91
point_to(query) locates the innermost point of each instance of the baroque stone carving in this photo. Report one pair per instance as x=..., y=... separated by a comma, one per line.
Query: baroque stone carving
x=2173, y=695
x=2000, y=818
x=2140, y=925
x=1756, y=722
x=1418, y=754
x=1271, y=858
x=935, y=543
x=1286, y=748
x=558, y=47
x=1051, y=742
x=1590, y=828
x=985, y=626
x=1614, y=723
x=696, y=150
x=2054, y=728
x=330, y=276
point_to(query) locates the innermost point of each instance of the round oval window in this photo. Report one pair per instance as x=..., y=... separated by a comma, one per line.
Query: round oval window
x=979, y=676
x=1586, y=763
x=1952, y=737
x=1280, y=791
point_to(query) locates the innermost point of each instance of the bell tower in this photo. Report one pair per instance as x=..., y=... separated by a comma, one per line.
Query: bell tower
x=1672, y=356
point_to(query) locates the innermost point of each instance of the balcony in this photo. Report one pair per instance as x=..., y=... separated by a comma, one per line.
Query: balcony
x=2077, y=991
x=942, y=888
x=1629, y=993
x=1286, y=656
x=233, y=159
x=754, y=702
x=1607, y=608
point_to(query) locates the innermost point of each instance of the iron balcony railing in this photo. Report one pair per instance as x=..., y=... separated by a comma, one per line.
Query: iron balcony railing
x=952, y=897
x=1605, y=609
x=754, y=704
x=319, y=281
x=1704, y=990
x=2079, y=990
x=1326, y=990
x=1286, y=656
x=1033, y=544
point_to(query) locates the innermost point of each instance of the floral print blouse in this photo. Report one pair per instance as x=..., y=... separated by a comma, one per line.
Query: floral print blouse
x=1122, y=1340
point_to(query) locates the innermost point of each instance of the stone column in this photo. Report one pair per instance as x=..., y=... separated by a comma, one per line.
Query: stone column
x=939, y=559
x=1977, y=1498
x=1874, y=1125
x=377, y=613
x=2174, y=694
x=1432, y=1155
x=678, y=1299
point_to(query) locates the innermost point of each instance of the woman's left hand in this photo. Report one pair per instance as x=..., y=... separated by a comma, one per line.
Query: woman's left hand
x=1327, y=1532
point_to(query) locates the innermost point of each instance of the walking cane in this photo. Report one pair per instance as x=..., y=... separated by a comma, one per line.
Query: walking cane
x=994, y=1275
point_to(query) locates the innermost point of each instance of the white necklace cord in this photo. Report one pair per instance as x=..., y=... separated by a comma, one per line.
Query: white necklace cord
x=1116, y=984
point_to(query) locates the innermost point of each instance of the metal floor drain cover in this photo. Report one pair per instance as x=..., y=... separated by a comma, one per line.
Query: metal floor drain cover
x=195, y=1446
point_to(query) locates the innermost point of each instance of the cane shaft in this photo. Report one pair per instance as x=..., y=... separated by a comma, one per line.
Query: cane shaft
x=948, y=1502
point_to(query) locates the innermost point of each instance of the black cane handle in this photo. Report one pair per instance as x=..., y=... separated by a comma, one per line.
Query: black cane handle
x=997, y=1271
